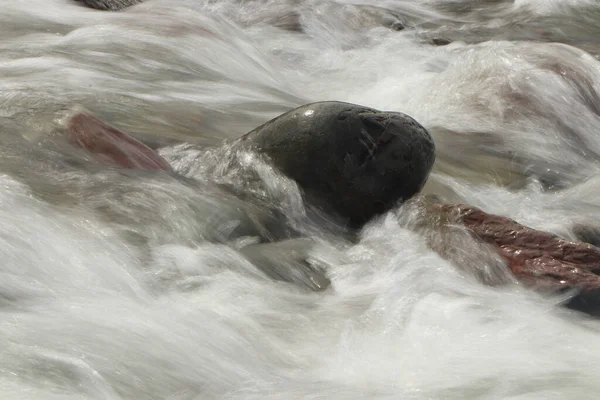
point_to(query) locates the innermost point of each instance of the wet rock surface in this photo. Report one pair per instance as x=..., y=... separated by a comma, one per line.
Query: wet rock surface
x=537, y=259
x=354, y=161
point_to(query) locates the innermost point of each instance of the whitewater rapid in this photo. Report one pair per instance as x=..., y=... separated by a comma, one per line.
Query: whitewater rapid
x=135, y=285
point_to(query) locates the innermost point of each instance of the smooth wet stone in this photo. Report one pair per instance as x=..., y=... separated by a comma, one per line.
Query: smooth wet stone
x=536, y=258
x=112, y=146
x=353, y=161
x=109, y=5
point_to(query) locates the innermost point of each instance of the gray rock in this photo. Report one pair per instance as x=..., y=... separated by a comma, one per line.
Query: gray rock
x=109, y=5
x=352, y=161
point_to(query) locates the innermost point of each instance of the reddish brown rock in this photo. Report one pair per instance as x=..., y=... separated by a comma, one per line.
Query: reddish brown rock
x=112, y=146
x=537, y=258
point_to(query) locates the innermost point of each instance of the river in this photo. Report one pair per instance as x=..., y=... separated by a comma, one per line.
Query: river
x=136, y=285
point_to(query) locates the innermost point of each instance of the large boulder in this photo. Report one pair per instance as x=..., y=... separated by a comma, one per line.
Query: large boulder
x=352, y=161
x=109, y=5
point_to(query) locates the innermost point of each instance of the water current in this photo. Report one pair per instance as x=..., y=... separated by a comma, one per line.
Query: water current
x=136, y=285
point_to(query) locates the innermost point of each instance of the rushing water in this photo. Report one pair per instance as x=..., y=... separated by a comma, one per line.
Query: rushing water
x=135, y=285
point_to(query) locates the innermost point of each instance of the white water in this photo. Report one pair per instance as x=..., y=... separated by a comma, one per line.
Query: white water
x=133, y=285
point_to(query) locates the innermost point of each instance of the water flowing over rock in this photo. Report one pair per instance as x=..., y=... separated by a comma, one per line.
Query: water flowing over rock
x=361, y=16
x=111, y=145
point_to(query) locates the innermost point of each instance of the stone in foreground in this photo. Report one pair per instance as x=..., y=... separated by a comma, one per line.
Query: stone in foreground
x=353, y=161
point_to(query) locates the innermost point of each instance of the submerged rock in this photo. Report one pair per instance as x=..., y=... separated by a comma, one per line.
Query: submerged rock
x=372, y=16
x=112, y=146
x=289, y=261
x=109, y=5
x=353, y=161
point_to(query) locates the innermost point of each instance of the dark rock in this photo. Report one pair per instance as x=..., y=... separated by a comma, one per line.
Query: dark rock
x=440, y=41
x=354, y=161
x=112, y=146
x=109, y=5
x=538, y=259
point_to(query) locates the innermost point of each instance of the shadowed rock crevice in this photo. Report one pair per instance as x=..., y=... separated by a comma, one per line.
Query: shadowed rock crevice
x=109, y=5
